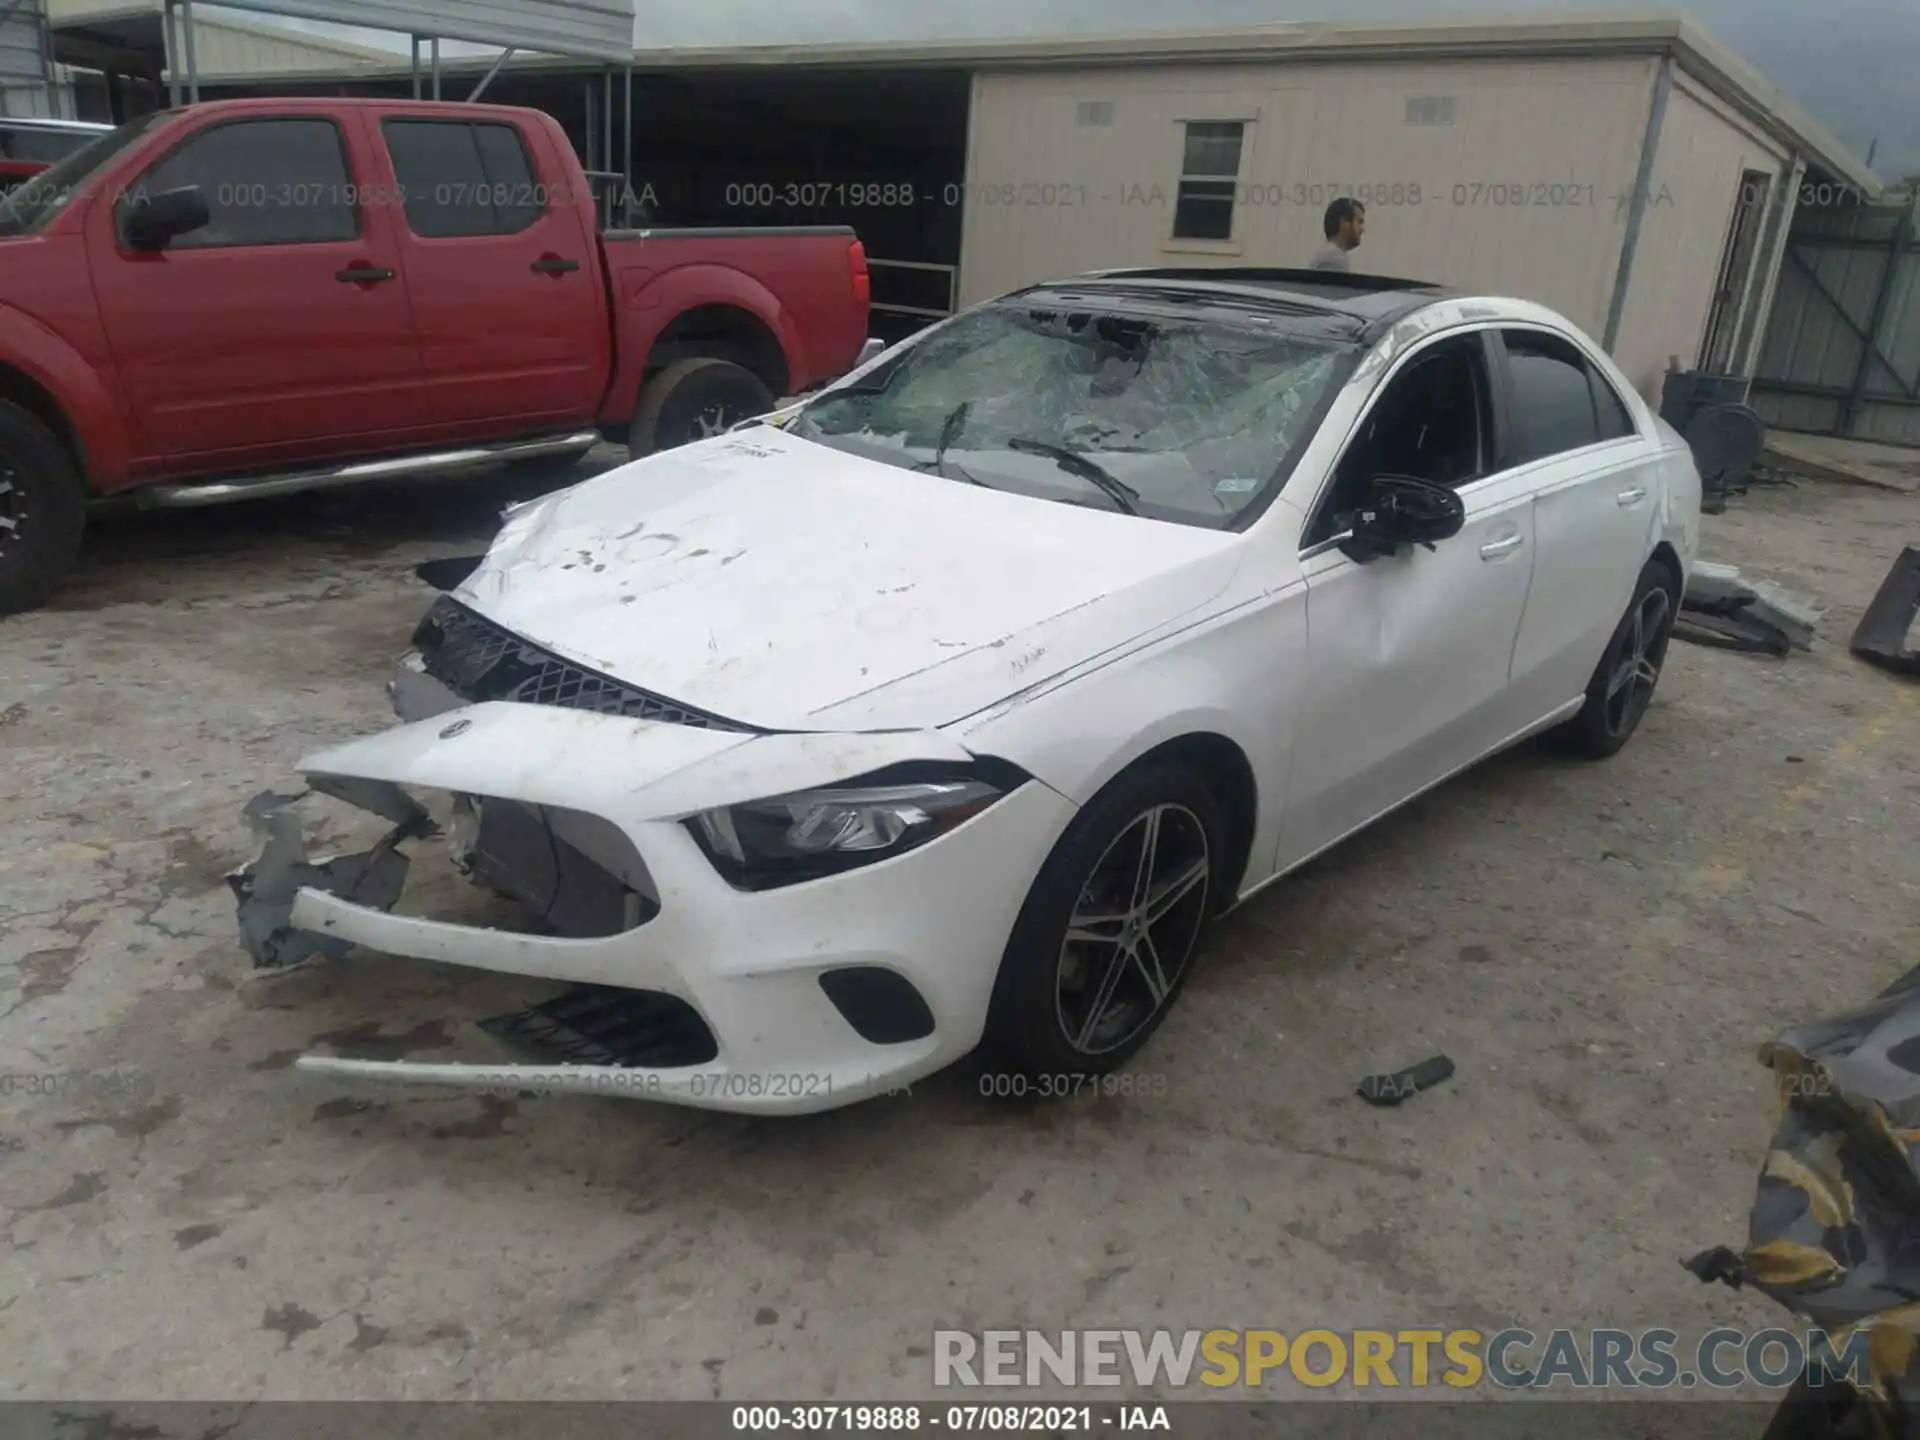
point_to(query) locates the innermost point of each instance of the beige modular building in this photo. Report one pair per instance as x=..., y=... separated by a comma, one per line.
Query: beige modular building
x=1628, y=172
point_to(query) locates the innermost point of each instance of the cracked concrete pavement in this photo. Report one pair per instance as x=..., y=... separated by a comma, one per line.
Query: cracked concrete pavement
x=1600, y=948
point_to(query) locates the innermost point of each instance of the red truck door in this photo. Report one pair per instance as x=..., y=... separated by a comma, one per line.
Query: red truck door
x=503, y=263
x=280, y=329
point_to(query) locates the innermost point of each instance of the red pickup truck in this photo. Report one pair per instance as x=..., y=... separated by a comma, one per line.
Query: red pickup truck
x=253, y=297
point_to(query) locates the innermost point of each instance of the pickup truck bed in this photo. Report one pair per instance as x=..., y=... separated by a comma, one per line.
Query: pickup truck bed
x=250, y=297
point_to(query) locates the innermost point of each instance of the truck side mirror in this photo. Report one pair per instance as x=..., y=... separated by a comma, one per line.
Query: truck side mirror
x=152, y=222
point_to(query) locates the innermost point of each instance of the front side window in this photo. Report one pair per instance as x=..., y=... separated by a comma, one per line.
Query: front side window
x=1209, y=171
x=1171, y=417
x=1434, y=422
x=460, y=179
x=1553, y=402
x=266, y=182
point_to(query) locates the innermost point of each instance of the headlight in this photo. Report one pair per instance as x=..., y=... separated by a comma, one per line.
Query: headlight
x=762, y=844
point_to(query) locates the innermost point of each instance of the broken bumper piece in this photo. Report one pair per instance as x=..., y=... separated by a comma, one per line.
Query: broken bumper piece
x=268, y=888
x=684, y=989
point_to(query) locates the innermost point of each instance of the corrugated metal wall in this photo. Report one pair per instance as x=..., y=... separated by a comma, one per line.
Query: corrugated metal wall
x=1523, y=171
x=602, y=29
x=1846, y=264
x=23, y=60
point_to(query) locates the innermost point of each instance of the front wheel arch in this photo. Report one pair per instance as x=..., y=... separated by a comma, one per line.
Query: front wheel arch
x=1229, y=775
x=1027, y=1024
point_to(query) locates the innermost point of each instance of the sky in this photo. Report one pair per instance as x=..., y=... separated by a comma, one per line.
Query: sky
x=1854, y=64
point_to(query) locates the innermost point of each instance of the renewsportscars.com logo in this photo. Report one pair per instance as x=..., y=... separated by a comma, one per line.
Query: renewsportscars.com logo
x=1371, y=1359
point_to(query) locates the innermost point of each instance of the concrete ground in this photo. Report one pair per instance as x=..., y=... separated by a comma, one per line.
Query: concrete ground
x=1853, y=462
x=1600, y=948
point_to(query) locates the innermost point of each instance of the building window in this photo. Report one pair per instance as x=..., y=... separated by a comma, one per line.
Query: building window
x=1208, y=172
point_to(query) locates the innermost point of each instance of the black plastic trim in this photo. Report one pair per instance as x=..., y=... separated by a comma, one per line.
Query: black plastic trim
x=479, y=661
x=881, y=1005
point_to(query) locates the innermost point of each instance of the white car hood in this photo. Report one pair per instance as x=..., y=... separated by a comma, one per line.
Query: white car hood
x=790, y=586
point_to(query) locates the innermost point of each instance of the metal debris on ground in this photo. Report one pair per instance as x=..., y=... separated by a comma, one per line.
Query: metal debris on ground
x=265, y=888
x=1723, y=610
x=1881, y=638
x=1392, y=1089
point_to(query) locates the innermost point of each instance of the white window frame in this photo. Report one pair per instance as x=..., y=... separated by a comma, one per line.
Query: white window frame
x=1248, y=120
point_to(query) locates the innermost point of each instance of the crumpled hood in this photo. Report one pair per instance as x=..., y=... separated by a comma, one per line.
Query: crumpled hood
x=791, y=586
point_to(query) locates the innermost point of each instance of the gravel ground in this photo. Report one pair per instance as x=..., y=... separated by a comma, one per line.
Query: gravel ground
x=1601, y=948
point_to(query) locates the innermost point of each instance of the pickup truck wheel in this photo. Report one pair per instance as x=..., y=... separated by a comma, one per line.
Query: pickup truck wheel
x=692, y=399
x=43, y=510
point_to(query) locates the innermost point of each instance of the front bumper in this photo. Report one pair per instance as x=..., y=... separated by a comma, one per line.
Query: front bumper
x=749, y=964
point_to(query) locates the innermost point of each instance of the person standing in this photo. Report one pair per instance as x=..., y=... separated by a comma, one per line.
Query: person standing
x=1345, y=220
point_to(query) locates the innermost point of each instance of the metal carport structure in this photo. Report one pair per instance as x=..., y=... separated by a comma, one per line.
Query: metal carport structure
x=149, y=37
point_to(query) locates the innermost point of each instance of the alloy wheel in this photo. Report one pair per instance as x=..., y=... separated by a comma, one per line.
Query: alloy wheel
x=1133, y=929
x=712, y=421
x=1636, y=661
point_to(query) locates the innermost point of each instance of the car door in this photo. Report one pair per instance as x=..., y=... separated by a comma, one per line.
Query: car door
x=1595, y=508
x=278, y=329
x=1408, y=657
x=504, y=270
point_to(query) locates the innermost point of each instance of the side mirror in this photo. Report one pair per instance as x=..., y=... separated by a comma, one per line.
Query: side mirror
x=1402, y=510
x=152, y=222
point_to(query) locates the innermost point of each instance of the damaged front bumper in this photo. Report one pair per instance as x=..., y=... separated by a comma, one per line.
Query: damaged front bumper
x=787, y=1000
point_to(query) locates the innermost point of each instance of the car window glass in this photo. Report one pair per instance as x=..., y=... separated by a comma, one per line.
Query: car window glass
x=1615, y=422
x=1433, y=421
x=42, y=146
x=1193, y=419
x=266, y=182
x=461, y=179
x=1553, y=409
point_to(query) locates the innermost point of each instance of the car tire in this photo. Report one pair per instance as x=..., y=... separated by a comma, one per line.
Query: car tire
x=1623, y=682
x=692, y=400
x=1048, y=1018
x=43, y=510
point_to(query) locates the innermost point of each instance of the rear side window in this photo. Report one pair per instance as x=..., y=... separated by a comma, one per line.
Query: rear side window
x=1553, y=409
x=266, y=182
x=464, y=179
x=1615, y=423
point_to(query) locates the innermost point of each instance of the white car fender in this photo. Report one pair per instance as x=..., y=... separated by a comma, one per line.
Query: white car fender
x=1077, y=736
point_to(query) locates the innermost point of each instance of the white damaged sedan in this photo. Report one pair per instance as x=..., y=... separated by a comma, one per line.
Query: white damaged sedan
x=949, y=705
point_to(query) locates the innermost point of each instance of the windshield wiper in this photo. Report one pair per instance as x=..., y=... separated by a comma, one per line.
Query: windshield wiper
x=1074, y=463
x=949, y=432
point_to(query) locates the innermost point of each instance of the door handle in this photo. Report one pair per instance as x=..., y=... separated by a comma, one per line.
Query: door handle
x=1631, y=497
x=1505, y=545
x=363, y=274
x=553, y=265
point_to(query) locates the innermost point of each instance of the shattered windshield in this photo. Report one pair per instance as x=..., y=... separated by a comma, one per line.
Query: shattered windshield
x=1190, y=419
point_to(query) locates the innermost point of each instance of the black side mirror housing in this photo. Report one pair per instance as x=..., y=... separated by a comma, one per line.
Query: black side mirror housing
x=1402, y=510
x=153, y=222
